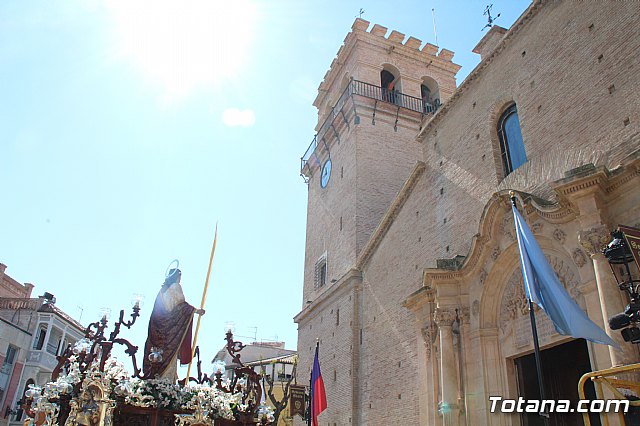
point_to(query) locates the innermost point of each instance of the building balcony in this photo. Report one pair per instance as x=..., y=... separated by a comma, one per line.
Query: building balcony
x=369, y=91
x=42, y=359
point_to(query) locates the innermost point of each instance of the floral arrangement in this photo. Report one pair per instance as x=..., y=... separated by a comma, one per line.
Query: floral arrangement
x=164, y=394
x=214, y=401
x=159, y=393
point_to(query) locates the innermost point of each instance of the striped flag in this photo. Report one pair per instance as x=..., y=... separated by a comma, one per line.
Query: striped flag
x=318, y=395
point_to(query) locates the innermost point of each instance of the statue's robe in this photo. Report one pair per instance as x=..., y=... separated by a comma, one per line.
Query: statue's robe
x=169, y=330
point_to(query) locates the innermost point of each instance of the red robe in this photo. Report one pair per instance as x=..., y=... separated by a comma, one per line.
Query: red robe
x=170, y=331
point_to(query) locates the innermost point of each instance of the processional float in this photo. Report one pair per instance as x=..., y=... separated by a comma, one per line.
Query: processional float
x=90, y=387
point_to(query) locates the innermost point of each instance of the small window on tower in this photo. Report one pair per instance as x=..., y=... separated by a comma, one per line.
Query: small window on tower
x=389, y=86
x=321, y=272
x=323, y=275
x=430, y=95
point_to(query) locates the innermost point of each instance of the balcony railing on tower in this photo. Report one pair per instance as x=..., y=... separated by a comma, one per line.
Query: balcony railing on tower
x=370, y=91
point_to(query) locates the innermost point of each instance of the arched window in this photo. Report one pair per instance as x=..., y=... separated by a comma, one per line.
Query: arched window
x=389, y=83
x=430, y=95
x=386, y=79
x=40, y=336
x=512, y=150
x=22, y=400
x=425, y=93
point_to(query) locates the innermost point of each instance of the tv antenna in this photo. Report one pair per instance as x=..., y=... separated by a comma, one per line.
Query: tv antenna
x=435, y=33
x=255, y=333
x=490, y=19
x=360, y=12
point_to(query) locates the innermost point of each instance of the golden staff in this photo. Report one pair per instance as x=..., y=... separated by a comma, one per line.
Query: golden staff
x=204, y=297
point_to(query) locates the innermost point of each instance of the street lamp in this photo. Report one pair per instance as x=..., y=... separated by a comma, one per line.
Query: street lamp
x=625, y=270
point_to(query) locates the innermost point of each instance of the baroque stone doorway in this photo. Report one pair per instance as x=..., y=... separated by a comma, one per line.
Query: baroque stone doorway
x=562, y=367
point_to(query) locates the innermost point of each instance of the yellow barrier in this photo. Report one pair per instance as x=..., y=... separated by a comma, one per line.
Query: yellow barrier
x=603, y=378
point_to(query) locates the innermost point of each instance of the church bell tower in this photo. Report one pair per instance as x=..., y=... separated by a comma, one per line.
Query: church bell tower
x=377, y=94
x=371, y=105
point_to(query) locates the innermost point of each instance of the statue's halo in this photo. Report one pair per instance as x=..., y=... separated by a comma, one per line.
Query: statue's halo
x=171, y=270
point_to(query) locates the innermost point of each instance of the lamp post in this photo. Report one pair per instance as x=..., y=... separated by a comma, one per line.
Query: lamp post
x=624, y=264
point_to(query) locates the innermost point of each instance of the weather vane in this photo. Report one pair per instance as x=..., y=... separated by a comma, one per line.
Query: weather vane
x=490, y=19
x=360, y=12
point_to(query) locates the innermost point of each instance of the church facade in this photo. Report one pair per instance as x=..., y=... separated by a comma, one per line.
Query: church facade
x=412, y=280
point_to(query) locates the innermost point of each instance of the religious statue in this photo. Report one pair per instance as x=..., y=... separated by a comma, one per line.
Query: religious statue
x=170, y=327
x=89, y=413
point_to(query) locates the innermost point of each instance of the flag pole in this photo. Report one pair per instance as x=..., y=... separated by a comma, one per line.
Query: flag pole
x=534, y=332
x=204, y=297
x=310, y=396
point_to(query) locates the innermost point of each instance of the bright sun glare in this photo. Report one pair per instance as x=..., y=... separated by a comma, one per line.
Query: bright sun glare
x=184, y=45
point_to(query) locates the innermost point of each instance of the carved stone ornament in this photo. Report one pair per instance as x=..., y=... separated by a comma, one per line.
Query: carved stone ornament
x=579, y=257
x=508, y=228
x=594, y=239
x=429, y=334
x=495, y=253
x=559, y=235
x=483, y=276
x=536, y=228
x=444, y=317
x=464, y=314
x=514, y=302
x=475, y=308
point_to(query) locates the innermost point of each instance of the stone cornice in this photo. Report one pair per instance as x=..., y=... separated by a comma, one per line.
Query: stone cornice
x=330, y=293
x=629, y=171
x=479, y=69
x=390, y=215
x=419, y=297
x=495, y=32
x=556, y=213
x=599, y=179
x=596, y=180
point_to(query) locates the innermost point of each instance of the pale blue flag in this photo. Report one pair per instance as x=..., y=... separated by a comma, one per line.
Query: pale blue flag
x=545, y=290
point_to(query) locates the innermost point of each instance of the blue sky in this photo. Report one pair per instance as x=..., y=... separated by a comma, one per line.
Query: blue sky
x=128, y=128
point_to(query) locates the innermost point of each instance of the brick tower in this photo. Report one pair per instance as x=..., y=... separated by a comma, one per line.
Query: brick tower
x=371, y=105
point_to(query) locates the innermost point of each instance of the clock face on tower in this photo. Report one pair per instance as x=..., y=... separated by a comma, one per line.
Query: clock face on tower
x=326, y=173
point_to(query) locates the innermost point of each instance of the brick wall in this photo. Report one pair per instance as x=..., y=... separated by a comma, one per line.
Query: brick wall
x=576, y=112
x=551, y=69
x=572, y=70
x=371, y=160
